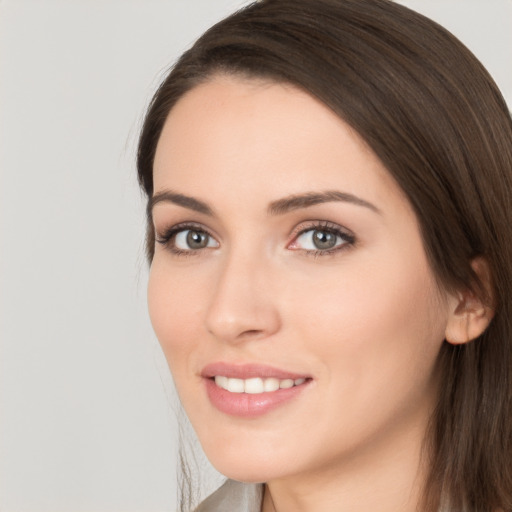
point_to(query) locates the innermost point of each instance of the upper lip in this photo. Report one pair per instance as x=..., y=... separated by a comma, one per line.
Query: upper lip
x=248, y=371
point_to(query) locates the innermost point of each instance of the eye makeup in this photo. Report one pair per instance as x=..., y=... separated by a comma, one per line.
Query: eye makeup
x=312, y=238
x=198, y=239
x=324, y=238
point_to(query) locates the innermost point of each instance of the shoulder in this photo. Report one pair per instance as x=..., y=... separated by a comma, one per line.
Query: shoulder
x=235, y=497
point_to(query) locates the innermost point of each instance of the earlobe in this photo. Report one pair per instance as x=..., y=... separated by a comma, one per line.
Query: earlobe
x=468, y=321
x=469, y=314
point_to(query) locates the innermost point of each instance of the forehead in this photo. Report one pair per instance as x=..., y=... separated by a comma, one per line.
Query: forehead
x=245, y=135
x=250, y=110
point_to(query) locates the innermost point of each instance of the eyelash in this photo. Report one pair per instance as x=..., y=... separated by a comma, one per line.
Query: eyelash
x=347, y=237
x=167, y=238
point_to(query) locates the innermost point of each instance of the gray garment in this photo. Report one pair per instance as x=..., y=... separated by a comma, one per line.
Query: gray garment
x=234, y=496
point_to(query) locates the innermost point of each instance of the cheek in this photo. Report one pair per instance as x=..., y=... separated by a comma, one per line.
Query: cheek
x=174, y=307
x=374, y=337
x=374, y=323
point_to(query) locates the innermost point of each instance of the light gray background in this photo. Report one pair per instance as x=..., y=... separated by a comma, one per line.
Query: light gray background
x=87, y=418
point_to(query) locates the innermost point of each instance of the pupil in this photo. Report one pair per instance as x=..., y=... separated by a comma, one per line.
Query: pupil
x=324, y=240
x=197, y=240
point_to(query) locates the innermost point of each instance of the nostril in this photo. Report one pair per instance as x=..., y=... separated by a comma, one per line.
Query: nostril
x=251, y=333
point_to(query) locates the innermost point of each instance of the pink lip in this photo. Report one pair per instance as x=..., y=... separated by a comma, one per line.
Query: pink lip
x=245, y=405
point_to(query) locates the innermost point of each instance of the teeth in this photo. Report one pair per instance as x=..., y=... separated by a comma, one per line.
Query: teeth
x=255, y=385
x=286, y=383
x=236, y=385
x=271, y=384
x=222, y=382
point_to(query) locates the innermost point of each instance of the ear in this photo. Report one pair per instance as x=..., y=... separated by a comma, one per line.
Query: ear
x=470, y=315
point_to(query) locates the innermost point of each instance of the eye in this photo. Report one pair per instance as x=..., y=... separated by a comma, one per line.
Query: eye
x=183, y=239
x=322, y=239
x=193, y=239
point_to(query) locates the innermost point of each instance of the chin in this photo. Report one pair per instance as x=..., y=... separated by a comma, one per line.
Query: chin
x=246, y=467
x=245, y=473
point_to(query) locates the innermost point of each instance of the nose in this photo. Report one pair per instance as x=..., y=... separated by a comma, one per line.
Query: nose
x=243, y=306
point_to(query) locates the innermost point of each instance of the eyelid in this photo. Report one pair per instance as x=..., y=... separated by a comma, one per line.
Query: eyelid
x=165, y=236
x=322, y=225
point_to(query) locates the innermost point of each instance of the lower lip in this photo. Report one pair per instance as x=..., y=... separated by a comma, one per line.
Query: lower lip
x=246, y=405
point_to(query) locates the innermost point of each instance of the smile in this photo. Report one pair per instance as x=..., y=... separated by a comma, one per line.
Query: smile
x=252, y=390
x=256, y=385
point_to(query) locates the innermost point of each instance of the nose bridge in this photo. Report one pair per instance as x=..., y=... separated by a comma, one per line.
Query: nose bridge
x=242, y=305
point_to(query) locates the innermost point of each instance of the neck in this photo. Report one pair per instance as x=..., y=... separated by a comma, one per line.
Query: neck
x=387, y=477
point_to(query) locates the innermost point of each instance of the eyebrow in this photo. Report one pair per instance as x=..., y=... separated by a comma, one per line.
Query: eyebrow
x=169, y=196
x=296, y=202
x=278, y=207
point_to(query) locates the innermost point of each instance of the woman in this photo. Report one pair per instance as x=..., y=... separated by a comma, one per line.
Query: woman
x=329, y=187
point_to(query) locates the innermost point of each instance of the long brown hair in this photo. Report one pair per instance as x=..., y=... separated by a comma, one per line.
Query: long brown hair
x=435, y=118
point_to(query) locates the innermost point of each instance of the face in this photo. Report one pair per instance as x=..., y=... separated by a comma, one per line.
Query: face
x=289, y=289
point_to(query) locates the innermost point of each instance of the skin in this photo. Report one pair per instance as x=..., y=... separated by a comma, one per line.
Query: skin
x=365, y=322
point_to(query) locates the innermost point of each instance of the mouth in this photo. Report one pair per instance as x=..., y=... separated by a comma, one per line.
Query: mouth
x=255, y=385
x=249, y=391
